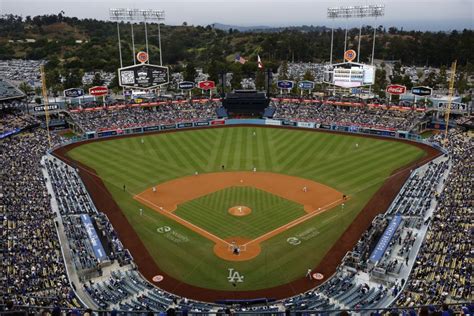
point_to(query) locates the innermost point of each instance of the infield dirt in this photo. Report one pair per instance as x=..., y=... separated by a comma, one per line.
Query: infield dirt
x=315, y=197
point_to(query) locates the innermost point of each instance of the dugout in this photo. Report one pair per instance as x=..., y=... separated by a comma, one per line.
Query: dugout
x=248, y=103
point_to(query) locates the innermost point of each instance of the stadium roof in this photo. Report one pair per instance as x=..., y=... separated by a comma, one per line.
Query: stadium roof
x=9, y=92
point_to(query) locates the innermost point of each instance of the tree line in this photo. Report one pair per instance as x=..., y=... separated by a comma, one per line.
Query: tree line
x=187, y=47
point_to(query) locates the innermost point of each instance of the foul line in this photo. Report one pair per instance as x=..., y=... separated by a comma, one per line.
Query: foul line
x=180, y=220
x=257, y=240
x=292, y=223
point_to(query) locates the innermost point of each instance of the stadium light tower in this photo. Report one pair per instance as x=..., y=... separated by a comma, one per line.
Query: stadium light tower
x=360, y=11
x=138, y=15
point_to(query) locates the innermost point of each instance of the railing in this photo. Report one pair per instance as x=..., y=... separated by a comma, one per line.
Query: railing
x=346, y=127
x=457, y=308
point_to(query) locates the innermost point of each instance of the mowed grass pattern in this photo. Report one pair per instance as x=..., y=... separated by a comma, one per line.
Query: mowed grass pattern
x=327, y=158
x=331, y=159
x=268, y=212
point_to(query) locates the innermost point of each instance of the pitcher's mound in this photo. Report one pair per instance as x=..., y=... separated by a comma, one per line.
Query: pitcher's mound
x=240, y=210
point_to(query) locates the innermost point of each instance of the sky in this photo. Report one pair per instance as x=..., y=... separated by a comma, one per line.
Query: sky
x=434, y=15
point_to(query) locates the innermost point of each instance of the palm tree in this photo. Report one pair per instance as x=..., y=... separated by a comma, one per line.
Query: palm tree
x=25, y=88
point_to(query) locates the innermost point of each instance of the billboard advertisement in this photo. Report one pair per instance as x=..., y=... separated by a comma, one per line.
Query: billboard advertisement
x=306, y=85
x=285, y=84
x=218, y=122
x=288, y=123
x=151, y=128
x=42, y=108
x=369, y=74
x=305, y=124
x=98, y=91
x=168, y=126
x=143, y=76
x=73, y=93
x=182, y=125
x=186, y=85
x=421, y=91
x=272, y=122
x=203, y=123
x=385, y=239
x=94, y=239
x=206, y=85
x=396, y=89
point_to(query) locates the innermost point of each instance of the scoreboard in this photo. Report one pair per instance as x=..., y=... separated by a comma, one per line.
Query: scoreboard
x=143, y=76
x=350, y=75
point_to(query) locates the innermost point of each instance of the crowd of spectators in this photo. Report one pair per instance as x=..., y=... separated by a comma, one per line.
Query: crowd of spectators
x=82, y=252
x=362, y=116
x=443, y=267
x=35, y=271
x=412, y=204
x=30, y=251
x=12, y=121
x=73, y=201
x=146, y=116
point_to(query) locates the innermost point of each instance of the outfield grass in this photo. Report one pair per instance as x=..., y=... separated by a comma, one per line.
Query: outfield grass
x=331, y=159
x=268, y=212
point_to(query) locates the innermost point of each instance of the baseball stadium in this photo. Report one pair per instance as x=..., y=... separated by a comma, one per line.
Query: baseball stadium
x=182, y=203
x=194, y=197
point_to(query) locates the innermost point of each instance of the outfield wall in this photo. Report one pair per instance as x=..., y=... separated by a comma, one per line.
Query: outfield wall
x=353, y=129
x=349, y=129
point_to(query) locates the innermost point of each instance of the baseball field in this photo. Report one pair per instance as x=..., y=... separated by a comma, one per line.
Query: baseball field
x=283, y=197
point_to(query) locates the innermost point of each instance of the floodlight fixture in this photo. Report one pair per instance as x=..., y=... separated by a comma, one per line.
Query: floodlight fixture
x=137, y=15
x=358, y=11
x=140, y=15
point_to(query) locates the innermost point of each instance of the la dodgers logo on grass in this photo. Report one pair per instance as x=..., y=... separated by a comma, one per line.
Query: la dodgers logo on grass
x=163, y=229
x=293, y=241
x=234, y=276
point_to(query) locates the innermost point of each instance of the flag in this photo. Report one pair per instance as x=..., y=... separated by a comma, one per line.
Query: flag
x=259, y=62
x=240, y=59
